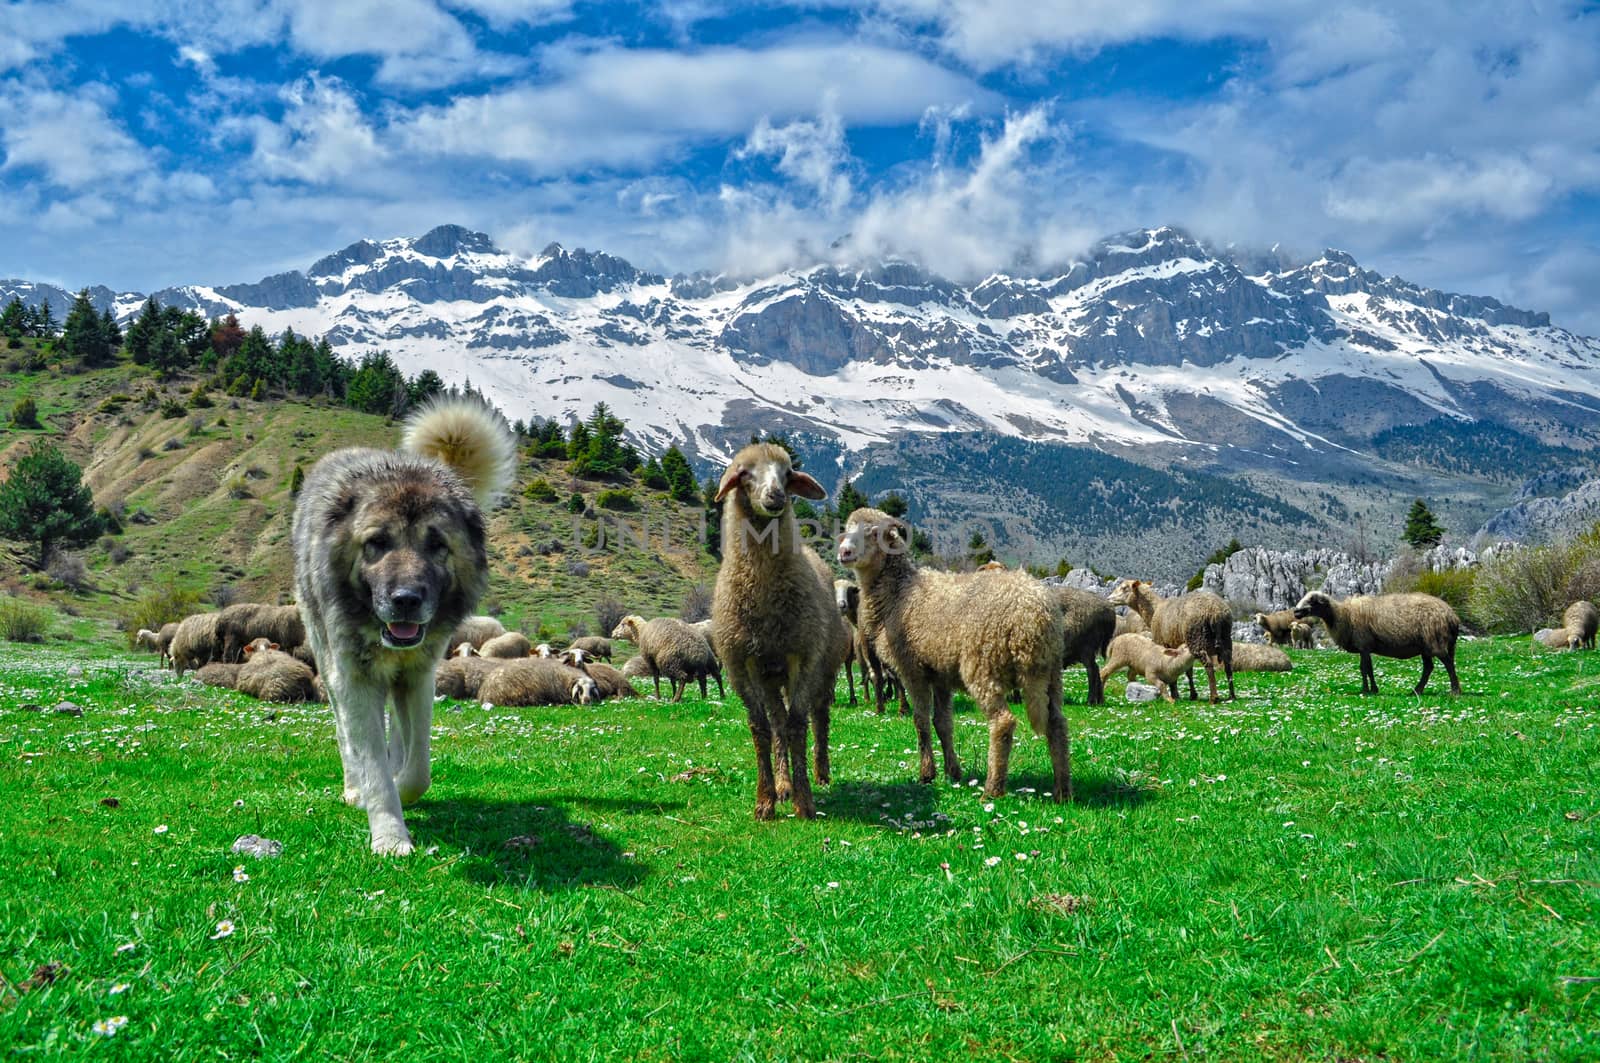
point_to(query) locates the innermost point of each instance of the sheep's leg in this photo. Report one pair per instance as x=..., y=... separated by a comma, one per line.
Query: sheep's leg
x=658, y=685
x=1097, y=690
x=849, y=678
x=1450, y=670
x=1166, y=689
x=1427, y=670
x=702, y=679
x=821, y=718
x=720, y=695
x=1002, y=728
x=944, y=724
x=805, y=806
x=1056, y=734
x=1193, y=694
x=1211, y=676
x=921, y=715
x=761, y=735
x=1369, y=678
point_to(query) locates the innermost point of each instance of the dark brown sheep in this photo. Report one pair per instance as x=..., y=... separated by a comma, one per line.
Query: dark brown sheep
x=1088, y=624
x=1390, y=625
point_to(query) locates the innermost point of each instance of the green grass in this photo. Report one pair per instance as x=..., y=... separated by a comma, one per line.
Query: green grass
x=1301, y=874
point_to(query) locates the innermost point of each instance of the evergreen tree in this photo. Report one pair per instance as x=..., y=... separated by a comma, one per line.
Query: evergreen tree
x=577, y=441
x=45, y=501
x=25, y=413
x=978, y=549
x=110, y=333
x=651, y=475
x=680, y=476
x=1422, y=528
x=894, y=504
x=377, y=385
x=332, y=372
x=44, y=321
x=849, y=500
x=713, y=511
x=424, y=386
x=254, y=359
x=83, y=336
x=14, y=320
x=143, y=332
x=298, y=356
x=165, y=354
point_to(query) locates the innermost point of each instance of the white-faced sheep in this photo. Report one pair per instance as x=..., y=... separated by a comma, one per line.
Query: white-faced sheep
x=462, y=677
x=1302, y=635
x=195, y=642
x=508, y=647
x=776, y=626
x=612, y=683
x=1390, y=625
x=1278, y=626
x=1141, y=655
x=1581, y=621
x=593, y=646
x=673, y=650
x=536, y=681
x=1199, y=620
x=1088, y=623
x=239, y=625
x=476, y=630
x=272, y=675
x=1260, y=657
x=988, y=633
x=150, y=640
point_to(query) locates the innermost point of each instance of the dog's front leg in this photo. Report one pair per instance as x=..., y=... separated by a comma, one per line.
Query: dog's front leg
x=360, y=708
x=413, y=717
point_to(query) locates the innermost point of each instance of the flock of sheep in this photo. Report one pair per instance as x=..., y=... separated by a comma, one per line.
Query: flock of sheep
x=782, y=629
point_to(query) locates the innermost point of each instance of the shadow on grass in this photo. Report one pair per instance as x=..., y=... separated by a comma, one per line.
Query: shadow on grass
x=864, y=802
x=1089, y=789
x=526, y=844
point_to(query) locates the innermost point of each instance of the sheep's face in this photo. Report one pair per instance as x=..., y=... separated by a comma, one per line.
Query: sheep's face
x=585, y=691
x=542, y=650
x=466, y=649
x=870, y=536
x=572, y=658
x=1314, y=604
x=1124, y=593
x=627, y=629
x=766, y=476
x=257, y=645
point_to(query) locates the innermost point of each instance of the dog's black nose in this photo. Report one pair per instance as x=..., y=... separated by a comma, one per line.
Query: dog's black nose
x=406, y=600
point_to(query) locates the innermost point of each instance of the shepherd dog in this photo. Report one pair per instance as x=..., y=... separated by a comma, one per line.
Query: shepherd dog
x=390, y=556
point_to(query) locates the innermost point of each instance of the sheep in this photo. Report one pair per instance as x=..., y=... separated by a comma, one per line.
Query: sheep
x=1260, y=657
x=1129, y=623
x=845, y=598
x=672, y=650
x=476, y=630
x=1391, y=625
x=541, y=650
x=865, y=653
x=1088, y=625
x=1554, y=638
x=467, y=649
x=164, y=639
x=1199, y=620
x=150, y=640
x=1302, y=636
x=217, y=674
x=272, y=675
x=638, y=668
x=196, y=642
x=536, y=681
x=238, y=625
x=1581, y=621
x=1140, y=654
x=1277, y=625
x=988, y=633
x=775, y=622
x=612, y=683
x=593, y=646
x=462, y=677
x=509, y=646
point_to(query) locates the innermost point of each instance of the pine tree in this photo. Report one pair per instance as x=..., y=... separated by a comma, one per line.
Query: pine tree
x=165, y=354
x=14, y=321
x=143, y=332
x=849, y=500
x=894, y=504
x=83, y=336
x=424, y=386
x=1422, y=528
x=44, y=321
x=978, y=550
x=297, y=480
x=110, y=333
x=45, y=501
x=680, y=477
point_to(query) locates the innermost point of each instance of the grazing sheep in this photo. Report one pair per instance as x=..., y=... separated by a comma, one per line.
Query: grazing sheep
x=1554, y=638
x=1581, y=620
x=1141, y=655
x=1391, y=625
x=673, y=650
x=150, y=640
x=1277, y=625
x=217, y=674
x=272, y=675
x=1088, y=624
x=195, y=642
x=476, y=630
x=536, y=681
x=776, y=625
x=239, y=625
x=593, y=646
x=1302, y=636
x=1260, y=657
x=987, y=633
x=164, y=639
x=1199, y=620
x=462, y=677
x=509, y=646
x=1130, y=623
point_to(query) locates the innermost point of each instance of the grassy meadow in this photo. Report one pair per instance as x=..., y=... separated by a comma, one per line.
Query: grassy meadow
x=1301, y=874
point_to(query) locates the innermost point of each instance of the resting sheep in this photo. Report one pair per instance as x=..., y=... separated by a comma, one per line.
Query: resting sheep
x=477, y=630
x=1554, y=638
x=593, y=646
x=1278, y=626
x=1088, y=624
x=460, y=677
x=508, y=647
x=239, y=625
x=1199, y=620
x=1581, y=620
x=776, y=626
x=536, y=681
x=217, y=674
x=987, y=633
x=612, y=683
x=272, y=675
x=638, y=668
x=672, y=650
x=1260, y=657
x=1140, y=655
x=1390, y=625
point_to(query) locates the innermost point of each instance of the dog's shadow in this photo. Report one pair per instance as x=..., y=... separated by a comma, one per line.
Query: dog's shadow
x=530, y=844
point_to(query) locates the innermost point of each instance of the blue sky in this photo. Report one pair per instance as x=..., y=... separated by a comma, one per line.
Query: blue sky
x=153, y=142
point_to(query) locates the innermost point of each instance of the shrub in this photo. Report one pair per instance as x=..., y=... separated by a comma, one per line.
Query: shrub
x=577, y=629
x=696, y=604
x=608, y=613
x=576, y=504
x=145, y=453
x=155, y=608
x=198, y=399
x=1453, y=585
x=539, y=490
x=238, y=487
x=22, y=621
x=69, y=570
x=578, y=568
x=118, y=553
x=197, y=424
x=297, y=479
x=171, y=409
x=1524, y=590
x=616, y=499
x=25, y=414
x=109, y=520
x=173, y=444
x=114, y=403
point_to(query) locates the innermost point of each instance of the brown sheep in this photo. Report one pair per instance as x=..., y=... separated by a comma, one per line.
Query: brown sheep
x=987, y=633
x=477, y=630
x=239, y=625
x=1260, y=657
x=638, y=668
x=1277, y=626
x=1140, y=655
x=217, y=674
x=1088, y=624
x=461, y=677
x=196, y=642
x=508, y=647
x=1130, y=623
x=612, y=683
x=1581, y=621
x=593, y=646
x=673, y=650
x=150, y=640
x=1302, y=636
x=537, y=681
x=777, y=628
x=164, y=639
x=1554, y=638
x=1199, y=620
x=1391, y=625
x=272, y=675
x=865, y=653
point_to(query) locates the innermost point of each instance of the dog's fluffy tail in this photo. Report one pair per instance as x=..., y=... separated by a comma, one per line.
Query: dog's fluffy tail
x=471, y=437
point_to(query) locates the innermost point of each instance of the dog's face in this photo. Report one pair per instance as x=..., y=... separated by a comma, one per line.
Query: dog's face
x=409, y=552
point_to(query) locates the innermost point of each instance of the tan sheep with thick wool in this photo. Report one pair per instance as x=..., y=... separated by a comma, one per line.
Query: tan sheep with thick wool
x=462, y=677
x=1390, y=625
x=777, y=629
x=672, y=650
x=239, y=625
x=475, y=630
x=987, y=633
x=1581, y=621
x=1260, y=657
x=1277, y=626
x=508, y=647
x=1088, y=624
x=537, y=681
x=196, y=642
x=272, y=675
x=1140, y=655
x=1199, y=620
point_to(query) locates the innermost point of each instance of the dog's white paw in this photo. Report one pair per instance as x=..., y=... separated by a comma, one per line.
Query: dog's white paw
x=392, y=845
x=352, y=797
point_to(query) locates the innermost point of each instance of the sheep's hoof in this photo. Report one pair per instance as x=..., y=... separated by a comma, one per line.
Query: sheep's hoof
x=824, y=778
x=807, y=810
x=764, y=810
x=784, y=791
x=927, y=775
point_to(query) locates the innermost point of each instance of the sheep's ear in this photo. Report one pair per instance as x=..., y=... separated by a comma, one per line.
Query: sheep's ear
x=730, y=479
x=803, y=485
x=895, y=534
x=272, y=646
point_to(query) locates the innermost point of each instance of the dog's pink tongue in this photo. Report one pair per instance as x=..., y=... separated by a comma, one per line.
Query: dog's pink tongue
x=404, y=632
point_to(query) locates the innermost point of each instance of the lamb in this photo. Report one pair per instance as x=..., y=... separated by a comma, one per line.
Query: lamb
x=638, y=668
x=672, y=650
x=196, y=642
x=1260, y=657
x=1302, y=636
x=217, y=674
x=1581, y=621
x=1554, y=638
x=509, y=646
x=1277, y=625
x=593, y=646
x=150, y=640
x=776, y=625
x=845, y=597
x=1140, y=654
x=988, y=633
x=1088, y=625
x=476, y=630
x=1199, y=620
x=462, y=677
x=1391, y=625
x=272, y=675
x=536, y=681
x=1129, y=623
x=865, y=652
x=239, y=625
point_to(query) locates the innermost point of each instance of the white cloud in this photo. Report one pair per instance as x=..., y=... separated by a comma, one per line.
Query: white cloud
x=323, y=137
x=503, y=13
x=811, y=152
x=67, y=136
